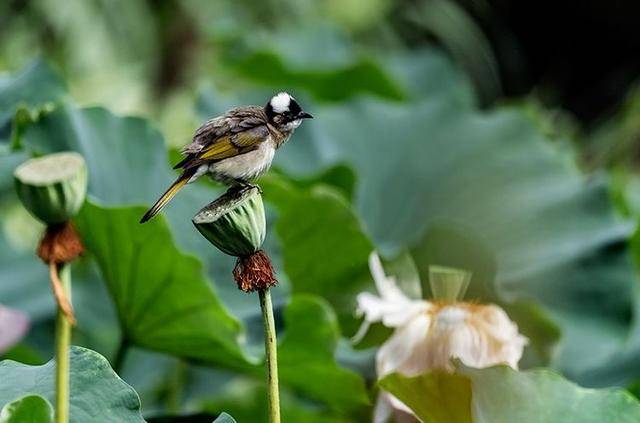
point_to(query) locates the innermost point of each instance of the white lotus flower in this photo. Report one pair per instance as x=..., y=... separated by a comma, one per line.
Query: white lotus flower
x=429, y=334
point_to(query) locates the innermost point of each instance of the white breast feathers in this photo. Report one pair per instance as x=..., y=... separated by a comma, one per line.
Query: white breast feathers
x=245, y=166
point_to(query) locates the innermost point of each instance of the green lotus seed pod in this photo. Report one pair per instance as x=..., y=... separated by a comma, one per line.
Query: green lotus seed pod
x=448, y=284
x=235, y=222
x=53, y=187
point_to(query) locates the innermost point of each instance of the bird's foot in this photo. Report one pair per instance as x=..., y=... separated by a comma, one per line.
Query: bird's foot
x=256, y=186
x=242, y=186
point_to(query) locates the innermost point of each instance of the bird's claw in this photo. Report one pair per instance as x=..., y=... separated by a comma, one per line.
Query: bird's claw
x=243, y=186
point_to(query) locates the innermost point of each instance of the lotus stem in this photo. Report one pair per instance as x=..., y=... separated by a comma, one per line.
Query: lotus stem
x=60, y=294
x=271, y=352
x=63, y=339
x=235, y=223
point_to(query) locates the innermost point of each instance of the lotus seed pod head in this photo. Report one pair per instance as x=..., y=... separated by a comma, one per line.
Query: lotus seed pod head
x=53, y=187
x=448, y=285
x=235, y=222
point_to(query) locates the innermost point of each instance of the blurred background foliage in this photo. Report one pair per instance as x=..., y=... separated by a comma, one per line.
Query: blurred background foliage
x=497, y=136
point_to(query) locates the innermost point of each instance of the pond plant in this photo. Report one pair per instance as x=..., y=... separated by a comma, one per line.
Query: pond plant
x=236, y=224
x=52, y=189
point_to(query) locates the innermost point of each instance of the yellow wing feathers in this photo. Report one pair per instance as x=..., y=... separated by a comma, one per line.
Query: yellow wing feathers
x=221, y=149
x=230, y=146
x=168, y=195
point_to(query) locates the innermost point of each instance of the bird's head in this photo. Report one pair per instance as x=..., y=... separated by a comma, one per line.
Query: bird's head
x=284, y=112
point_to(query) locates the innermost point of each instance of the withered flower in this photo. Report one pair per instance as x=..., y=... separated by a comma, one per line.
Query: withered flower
x=429, y=334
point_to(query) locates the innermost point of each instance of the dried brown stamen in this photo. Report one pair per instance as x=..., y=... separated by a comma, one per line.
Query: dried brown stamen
x=60, y=244
x=254, y=272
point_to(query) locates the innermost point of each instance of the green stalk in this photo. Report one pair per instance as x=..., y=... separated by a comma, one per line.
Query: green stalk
x=271, y=351
x=63, y=339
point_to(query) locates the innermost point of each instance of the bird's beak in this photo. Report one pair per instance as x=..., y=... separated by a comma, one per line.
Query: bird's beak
x=304, y=115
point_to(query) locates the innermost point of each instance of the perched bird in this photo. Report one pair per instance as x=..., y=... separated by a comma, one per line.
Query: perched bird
x=237, y=147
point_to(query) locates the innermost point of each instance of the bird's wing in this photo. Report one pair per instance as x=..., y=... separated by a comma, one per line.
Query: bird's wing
x=228, y=145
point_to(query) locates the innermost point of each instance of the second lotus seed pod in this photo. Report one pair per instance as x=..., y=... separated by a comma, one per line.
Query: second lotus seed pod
x=235, y=222
x=52, y=188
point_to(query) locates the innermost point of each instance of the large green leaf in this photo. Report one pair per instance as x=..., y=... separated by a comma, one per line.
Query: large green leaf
x=324, y=249
x=96, y=390
x=307, y=347
x=29, y=409
x=307, y=356
x=164, y=303
x=123, y=154
x=162, y=297
x=436, y=397
x=501, y=394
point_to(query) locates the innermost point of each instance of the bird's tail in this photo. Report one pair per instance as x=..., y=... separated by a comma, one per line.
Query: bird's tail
x=168, y=195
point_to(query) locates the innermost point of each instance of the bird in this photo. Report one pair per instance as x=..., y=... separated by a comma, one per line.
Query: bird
x=237, y=147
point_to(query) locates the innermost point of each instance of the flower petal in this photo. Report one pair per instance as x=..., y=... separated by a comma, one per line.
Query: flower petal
x=394, y=353
x=392, y=307
x=385, y=285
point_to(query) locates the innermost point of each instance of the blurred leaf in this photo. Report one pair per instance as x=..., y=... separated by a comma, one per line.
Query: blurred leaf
x=29, y=409
x=123, y=154
x=543, y=333
x=459, y=33
x=341, y=177
x=224, y=418
x=25, y=285
x=358, y=15
x=403, y=269
x=615, y=140
x=324, y=248
x=96, y=390
x=247, y=402
x=436, y=397
x=163, y=300
x=364, y=76
x=8, y=163
x=307, y=356
x=27, y=92
x=501, y=394
x=24, y=354
x=302, y=69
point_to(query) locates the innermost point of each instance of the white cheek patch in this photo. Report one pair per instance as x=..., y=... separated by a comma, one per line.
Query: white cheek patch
x=292, y=125
x=280, y=102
